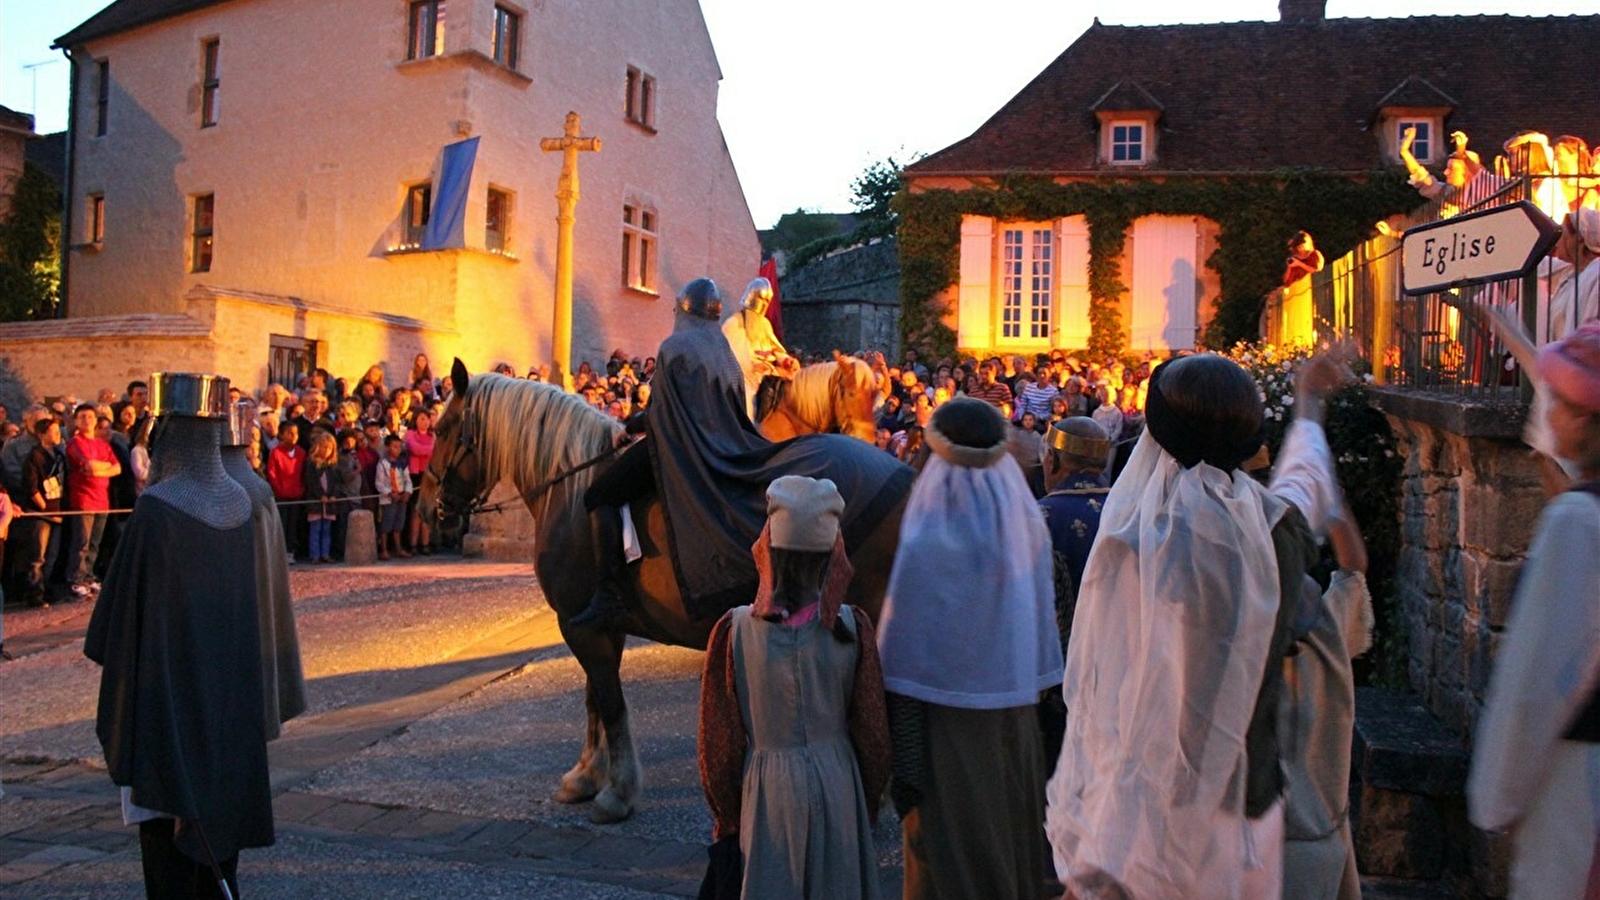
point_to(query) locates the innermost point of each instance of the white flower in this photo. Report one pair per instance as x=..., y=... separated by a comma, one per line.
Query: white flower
x=1288, y=400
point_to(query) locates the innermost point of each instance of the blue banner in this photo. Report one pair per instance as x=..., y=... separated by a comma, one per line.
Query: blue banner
x=448, y=221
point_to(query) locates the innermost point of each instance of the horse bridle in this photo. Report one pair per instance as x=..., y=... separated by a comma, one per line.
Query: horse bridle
x=466, y=445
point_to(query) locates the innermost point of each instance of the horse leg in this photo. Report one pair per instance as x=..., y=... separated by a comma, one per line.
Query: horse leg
x=620, y=782
x=615, y=800
x=584, y=779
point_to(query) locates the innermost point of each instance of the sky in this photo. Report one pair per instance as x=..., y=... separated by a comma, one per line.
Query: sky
x=814, y=93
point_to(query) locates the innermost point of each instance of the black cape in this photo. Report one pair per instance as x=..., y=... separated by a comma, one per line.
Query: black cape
x=180, y=717
x=713, y=467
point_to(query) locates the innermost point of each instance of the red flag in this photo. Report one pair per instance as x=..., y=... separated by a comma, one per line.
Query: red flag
x=769, y=271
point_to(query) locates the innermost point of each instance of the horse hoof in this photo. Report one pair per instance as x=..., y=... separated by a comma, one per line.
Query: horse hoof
x=609, y=808
x=576, y=791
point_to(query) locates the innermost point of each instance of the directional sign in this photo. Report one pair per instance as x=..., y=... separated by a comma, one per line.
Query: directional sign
x=1493, y=245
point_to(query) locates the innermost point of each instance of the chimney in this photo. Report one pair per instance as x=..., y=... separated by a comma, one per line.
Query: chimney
x=1302, y=11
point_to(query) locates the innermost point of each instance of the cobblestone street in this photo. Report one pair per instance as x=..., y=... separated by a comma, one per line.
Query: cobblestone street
x=444, y=708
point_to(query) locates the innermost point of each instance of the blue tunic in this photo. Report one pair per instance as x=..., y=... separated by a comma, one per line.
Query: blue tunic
x=1072, y=511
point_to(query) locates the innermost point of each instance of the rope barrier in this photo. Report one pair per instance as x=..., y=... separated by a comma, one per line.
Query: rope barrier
x=112, y=512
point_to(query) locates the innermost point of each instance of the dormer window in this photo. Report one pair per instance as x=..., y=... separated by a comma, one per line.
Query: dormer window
x=1425, y=144
x=1127, y=144
x=1417, y=104
x=1128, y=116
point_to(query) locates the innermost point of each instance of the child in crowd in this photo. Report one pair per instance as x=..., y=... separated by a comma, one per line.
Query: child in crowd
x=394, y=491
x=324, y=483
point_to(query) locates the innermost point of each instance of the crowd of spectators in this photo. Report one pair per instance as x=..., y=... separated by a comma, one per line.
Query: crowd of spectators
x=328, y=446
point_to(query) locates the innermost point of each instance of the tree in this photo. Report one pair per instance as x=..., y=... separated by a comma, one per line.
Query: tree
x=877, y=184
x=30, y=249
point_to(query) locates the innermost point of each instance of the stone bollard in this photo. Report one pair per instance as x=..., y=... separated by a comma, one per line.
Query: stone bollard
x=360, y=539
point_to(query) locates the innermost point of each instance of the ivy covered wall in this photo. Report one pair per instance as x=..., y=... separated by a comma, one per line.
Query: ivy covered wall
x=1257, y=214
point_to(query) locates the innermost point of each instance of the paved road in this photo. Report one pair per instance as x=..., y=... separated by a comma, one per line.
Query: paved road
x=444, y=709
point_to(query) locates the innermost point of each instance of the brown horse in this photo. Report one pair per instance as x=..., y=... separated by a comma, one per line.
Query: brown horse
x=831, y=397
x=498, y=429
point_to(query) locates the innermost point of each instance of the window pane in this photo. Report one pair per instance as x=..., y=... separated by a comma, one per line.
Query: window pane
x=647, y=100
x=627, y=258
x=645, y=248
x=630, y=94
x=648, y=221
x=627, y=214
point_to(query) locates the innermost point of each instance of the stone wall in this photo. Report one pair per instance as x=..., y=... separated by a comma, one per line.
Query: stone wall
x=847, y=301
x=1471, y=499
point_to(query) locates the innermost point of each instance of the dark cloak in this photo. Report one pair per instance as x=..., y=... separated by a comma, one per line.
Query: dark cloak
x=180, y=717
x=712, y=469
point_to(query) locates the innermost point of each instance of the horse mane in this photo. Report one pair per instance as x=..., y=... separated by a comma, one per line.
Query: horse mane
x=532, y=431
x=818, y=401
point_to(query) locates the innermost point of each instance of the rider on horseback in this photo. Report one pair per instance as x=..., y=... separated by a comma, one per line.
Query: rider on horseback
x=760, y=353
x=695, y=363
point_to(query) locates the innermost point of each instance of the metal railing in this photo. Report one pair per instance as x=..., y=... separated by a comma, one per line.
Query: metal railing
x=1436, y=342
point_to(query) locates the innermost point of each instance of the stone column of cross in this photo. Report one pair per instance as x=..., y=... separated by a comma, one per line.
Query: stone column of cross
x=569, y=145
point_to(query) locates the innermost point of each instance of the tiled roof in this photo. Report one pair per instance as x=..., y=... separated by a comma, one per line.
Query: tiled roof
x=136, y=325
x=1258, y=96
x=125, y=15
x=11, y=120
x=1126, y=96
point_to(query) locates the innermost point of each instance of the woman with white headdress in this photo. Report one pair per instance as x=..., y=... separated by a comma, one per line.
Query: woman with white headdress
x=1577, y=299
x=968, y=640
x=1169, y=780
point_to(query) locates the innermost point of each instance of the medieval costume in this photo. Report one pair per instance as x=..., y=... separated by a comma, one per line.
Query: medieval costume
x=711, y=468
x=1318, y=713
x=181, y=718
x=754, y=345
x=967, y=636
x=1536, y=763
x=283, y=686
x=1168, y=783
x=794, y=743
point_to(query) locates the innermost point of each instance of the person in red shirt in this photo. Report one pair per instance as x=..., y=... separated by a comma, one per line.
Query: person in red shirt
x=91, y=465
x=286, y=473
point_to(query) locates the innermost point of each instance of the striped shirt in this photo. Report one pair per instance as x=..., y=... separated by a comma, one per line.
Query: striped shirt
x=1036, y=399
x=994, y=393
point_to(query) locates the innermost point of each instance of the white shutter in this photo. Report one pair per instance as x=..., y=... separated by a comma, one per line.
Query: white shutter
x=975, y=296
x=1072, y=318
x=1164, y=283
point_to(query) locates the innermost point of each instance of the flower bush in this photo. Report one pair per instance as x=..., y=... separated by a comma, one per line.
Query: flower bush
x=1369, y=469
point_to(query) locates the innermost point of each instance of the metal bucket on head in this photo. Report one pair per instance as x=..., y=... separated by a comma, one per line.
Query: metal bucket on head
x=241, y=423
x=189, y=394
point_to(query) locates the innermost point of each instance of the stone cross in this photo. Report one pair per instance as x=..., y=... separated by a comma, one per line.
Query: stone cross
x=569, y=145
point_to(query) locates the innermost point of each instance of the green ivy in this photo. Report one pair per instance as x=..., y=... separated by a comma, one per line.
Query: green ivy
x=1256, y=215
x=30, y=249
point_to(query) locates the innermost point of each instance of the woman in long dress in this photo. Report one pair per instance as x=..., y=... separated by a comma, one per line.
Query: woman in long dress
x=794, y=741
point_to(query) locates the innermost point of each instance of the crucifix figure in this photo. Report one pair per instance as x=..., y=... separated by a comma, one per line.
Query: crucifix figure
x=569, y=144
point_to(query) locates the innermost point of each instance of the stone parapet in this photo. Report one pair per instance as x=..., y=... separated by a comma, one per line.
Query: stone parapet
x=1470, y=502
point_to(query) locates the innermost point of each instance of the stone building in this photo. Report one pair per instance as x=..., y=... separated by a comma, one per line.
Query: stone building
x=259, y=187
x=16, y=130
x=1127, y=107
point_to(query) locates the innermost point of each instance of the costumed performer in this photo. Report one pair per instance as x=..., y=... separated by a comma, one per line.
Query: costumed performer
x=1169, y=781
x=794, y=741
x=968, y=641
x=755, y=346
x=283, y=685
x=181, y=716
x=1536, y=757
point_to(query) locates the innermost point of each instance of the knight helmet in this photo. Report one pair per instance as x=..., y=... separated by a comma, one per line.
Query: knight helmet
x=757, y=296
x=701, y=298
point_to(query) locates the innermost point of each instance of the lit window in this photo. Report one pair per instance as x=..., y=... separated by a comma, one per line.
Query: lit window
x=419, y=206
x=1422, y=144
x=507, y=35
x=211, y=83
x=102, y=96
x=639, y=100
x=204, y=222
x=497, y=221
x=1027, y=269
x=427, y=29
x=95, y=224
x=1127, y=143
x=639, y=235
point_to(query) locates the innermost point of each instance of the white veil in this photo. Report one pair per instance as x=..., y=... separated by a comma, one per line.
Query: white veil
x=1169, y=642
